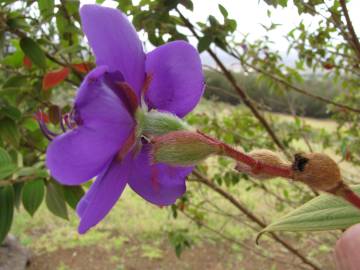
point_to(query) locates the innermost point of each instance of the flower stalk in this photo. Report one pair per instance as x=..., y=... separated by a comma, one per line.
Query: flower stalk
x=317, y=170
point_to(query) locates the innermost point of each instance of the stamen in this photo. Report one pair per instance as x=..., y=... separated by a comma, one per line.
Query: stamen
x=75, y=119
x=44, y=129
x=61, y=122
x=66, y=119
x=48, y=131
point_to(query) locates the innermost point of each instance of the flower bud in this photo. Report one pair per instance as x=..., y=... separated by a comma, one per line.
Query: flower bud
x=317, y=170
x=266, y=157
x=183, y=148
x=156, y=123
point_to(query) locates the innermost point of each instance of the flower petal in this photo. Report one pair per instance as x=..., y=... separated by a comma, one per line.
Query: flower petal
x=159, y=184
x=80, y=154
x=115, y=42
x=103, y=195
x=177, y=78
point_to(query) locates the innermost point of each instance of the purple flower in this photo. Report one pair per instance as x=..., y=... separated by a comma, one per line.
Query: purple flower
x=103, y=140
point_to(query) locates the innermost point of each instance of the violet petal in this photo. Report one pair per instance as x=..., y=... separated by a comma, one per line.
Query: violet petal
x=103, y=195
x=159, y=184
x=177, y=78
x=115, y=42
x=82, y=153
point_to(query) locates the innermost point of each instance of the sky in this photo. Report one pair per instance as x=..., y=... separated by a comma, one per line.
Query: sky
x=250, y=14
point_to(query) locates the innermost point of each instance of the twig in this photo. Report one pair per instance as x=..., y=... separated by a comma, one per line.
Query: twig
x=239, y=243
x=9, y=182
x=247, y=212
x=354, y=38
x=21, y=34
x=245, y=98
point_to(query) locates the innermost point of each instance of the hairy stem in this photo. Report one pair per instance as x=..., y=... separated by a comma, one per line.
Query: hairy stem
x=256, y=165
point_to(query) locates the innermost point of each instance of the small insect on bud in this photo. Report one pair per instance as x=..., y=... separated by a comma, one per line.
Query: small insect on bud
x=317, y=170
x=183, y=148
x=322, y=173
x=263, y=156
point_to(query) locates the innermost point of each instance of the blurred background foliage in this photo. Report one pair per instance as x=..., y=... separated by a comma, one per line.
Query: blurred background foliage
x=262, y=103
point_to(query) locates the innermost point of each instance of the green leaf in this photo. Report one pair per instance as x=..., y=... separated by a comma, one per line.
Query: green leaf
x=9, y=132
x=125, y=5
x=11, y=111
x=7, y=170
x=325, y=212
x=188, y=4
x=72, y=7
x=223, y=11
x=231, y=24
x=180, y=240
x=46, y=7
x=33, y=195
x=2, y=44
x=4, y=157
x=14, y=60
x=73, y=194
x=33, y=51
x=18, y=193
x=30, y=124
x=204, y=43
x=7, y=199
x=213, y=21
x=55, y=200
x=283, y=3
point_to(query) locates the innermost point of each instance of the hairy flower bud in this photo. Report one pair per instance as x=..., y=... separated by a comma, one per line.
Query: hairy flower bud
x=317, y=170
x=156, y=123
x=183, y=148
x=266, y=157
x=320, y=172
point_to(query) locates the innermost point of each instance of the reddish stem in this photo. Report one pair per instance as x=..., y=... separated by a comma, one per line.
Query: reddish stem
x=256, y=165
x=351, y=197
x=344, y=191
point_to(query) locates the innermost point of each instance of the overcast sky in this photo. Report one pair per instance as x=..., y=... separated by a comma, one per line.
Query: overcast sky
x=250, y=14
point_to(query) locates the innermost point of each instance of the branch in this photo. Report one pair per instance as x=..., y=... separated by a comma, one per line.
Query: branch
x=244, y=97
x=67, y=17
x=353, y=36
x=202, y=179
x=239, y=243
x=9, y=182
x=21, y=34
x=338, y=23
